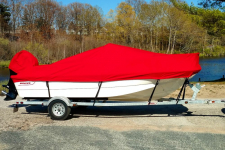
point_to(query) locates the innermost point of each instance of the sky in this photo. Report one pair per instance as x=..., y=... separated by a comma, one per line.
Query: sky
x=106, y=5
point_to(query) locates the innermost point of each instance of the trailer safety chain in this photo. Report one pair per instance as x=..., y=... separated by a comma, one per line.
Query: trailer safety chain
x=96, y=96
x=150, y=99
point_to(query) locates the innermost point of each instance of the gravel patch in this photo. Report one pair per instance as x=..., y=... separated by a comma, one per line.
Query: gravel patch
x=184, y=118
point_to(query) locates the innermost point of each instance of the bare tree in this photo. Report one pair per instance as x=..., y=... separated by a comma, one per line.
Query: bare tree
x=62, y=20
x=29, y=19
x=77, y=22
x=16, y=11
x=46, y=14
x=136, y=4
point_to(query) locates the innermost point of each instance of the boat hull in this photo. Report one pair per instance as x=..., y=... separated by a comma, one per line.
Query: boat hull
x=126, y=90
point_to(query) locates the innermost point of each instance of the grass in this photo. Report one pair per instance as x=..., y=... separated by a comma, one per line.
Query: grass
x=4, y=82
x=4, y=63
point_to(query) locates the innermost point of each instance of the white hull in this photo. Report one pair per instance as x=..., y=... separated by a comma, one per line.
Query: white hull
x=126, y=90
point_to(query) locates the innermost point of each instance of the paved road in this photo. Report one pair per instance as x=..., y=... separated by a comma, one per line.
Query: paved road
x=58, y=137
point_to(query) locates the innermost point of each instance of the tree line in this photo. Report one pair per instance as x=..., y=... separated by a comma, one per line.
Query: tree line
x=52, y=31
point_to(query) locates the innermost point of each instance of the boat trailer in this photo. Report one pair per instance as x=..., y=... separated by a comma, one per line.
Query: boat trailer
x=59, y=107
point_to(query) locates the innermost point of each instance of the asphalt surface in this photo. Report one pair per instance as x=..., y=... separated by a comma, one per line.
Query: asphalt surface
x=57, y=137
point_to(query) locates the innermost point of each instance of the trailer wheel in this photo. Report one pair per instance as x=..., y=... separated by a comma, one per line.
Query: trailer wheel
x=58, y=110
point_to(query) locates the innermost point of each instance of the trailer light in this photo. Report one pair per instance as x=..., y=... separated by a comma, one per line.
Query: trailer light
x=17, y=102
x=186, y=102
x=21, y=102
x=74, y=105
x=213, y=101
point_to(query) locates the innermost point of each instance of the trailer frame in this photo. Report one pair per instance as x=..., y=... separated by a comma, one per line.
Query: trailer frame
x=59, y=107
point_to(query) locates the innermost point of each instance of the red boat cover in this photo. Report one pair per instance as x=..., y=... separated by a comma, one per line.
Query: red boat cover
x=22, y=60
x=107, y=63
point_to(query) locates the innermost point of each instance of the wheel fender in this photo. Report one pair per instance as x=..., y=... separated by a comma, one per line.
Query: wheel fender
x=65, y=99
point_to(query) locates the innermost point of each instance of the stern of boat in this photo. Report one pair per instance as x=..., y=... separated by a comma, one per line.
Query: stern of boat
x=10, y=90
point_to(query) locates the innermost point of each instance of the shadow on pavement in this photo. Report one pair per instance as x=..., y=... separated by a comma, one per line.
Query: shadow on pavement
x=122, y=111
x=37, y=109
x=136, y=111
x=129, y=111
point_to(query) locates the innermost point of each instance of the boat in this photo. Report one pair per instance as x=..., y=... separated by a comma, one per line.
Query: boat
x=110, y=72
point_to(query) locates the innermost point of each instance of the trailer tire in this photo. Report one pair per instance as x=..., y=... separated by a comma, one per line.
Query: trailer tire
x=58, y=110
